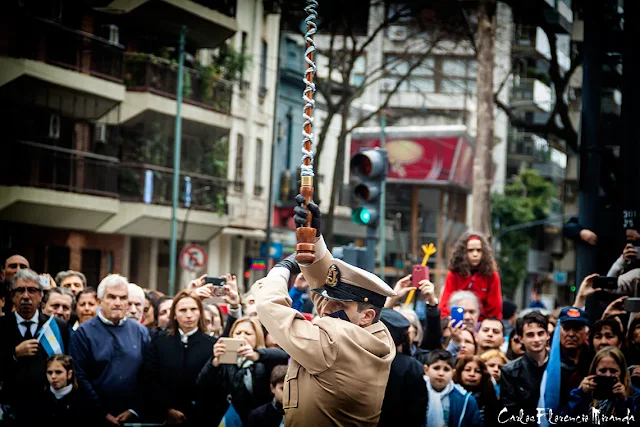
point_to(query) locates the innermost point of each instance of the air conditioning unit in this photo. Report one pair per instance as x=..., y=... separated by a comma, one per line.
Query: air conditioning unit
x=114, y=34
x=398, y=33
x=100, y=134
x=54, y=126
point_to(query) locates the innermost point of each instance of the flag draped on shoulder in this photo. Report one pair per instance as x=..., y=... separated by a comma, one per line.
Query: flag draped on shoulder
x=50, y=338
x=551, y=379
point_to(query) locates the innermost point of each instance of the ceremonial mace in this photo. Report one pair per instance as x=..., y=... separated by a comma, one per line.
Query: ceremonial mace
x=306, y=249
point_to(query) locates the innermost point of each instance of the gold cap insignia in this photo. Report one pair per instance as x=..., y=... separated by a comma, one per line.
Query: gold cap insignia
x=333, y=276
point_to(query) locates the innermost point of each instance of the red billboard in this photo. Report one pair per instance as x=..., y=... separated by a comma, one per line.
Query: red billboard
x=423, y=154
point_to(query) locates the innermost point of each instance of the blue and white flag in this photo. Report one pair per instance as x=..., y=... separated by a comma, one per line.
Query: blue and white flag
x=551, y=379
x=50, y=338
x=231, y=418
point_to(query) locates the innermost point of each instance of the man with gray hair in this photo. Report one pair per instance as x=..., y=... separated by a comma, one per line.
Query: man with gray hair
x=136, y=302
x=469, y=302
x=59, y=302
x=108, y=353
x=23, y=360
x=75, y=281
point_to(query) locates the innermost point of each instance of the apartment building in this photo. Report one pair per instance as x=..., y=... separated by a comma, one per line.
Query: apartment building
x=88, y=94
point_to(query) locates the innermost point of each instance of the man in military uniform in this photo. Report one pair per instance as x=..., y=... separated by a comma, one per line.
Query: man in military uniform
x=340, y=362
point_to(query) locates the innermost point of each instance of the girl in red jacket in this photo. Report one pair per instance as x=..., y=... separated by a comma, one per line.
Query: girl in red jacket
x=472, y=268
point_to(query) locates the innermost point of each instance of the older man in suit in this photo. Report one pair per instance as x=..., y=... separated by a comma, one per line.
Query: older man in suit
x=22, y=357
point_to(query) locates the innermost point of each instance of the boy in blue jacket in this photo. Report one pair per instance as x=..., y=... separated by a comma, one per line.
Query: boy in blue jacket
x=448, y=405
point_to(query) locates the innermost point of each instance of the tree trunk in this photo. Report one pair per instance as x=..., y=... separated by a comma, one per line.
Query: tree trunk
x=483, y=161
x=336, y=182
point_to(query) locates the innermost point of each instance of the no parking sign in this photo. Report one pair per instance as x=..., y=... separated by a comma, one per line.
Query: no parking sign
x=193, y=258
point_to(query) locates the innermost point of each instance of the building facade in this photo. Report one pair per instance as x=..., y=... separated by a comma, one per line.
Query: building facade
x=89, y=94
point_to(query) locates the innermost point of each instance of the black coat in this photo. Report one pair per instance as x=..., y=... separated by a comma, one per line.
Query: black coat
x=171, y=372
x=24, y=376
x=266, y=415
x=69, y=411
x=520, y=386
x=228, y=380
x=405, y=398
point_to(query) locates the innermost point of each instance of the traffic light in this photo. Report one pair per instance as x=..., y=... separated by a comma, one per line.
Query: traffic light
x=370, y=167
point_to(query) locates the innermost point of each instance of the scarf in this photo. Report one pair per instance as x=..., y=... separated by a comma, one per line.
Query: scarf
x=59, y=394
x=435, y=413
x=246, y=364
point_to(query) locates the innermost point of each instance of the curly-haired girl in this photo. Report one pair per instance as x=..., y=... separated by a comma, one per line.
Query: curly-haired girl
x=472, y=268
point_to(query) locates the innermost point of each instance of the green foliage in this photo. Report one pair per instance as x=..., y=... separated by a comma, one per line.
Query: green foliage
x=229, y=64
x=527, y=198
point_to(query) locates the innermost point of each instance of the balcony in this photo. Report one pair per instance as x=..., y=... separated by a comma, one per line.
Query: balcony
x=61, y=68
x=140, y=182
x=147, y=73
x=55, y=44
x=527, y=89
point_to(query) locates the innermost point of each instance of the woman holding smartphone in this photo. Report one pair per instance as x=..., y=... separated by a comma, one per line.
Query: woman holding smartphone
x=239, y=371
x=606, y=388
x=174, y=361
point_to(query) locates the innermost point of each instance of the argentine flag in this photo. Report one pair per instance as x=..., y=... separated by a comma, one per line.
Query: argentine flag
x=50, y=338
x=231, y=418
x=551, y=379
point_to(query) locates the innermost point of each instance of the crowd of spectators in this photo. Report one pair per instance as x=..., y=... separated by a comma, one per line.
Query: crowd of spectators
x=120, y=354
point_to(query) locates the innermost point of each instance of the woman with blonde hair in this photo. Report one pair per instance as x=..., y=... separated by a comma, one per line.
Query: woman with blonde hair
x=246, y=383
x=472, y=268
x=494, y=360
x=607, y=388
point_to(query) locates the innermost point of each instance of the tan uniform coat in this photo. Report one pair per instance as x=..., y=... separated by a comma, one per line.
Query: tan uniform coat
x=339, y=371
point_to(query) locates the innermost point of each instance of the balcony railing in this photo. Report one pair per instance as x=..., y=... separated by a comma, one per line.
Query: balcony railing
x=148, y=73
x=74, y=171
x=140, y=182
x=55, y=44
x=62, y=169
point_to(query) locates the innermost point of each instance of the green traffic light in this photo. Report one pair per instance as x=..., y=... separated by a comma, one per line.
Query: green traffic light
x=573, y=288
x=361, y=216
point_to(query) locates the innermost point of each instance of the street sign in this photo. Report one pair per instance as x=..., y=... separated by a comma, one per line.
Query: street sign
x=560, y=277
x=275, y=251
x=193, y=258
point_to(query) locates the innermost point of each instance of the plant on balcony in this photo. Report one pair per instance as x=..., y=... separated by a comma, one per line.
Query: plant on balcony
x=528, y=197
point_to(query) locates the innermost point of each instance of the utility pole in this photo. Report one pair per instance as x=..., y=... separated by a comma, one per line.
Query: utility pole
x=483, y=161
x=176, y=168
x=383, y=198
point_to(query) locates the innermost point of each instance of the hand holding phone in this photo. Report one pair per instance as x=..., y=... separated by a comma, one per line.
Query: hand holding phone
x=418, y=274
x=457, y=315
x=604, y=282
x=230, y=356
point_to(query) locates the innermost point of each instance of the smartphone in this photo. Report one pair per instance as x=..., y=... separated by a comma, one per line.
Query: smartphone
x=637, y=248
x=230, y=357
x=218, y=291
x=604, y=387
x=604, y=282
x=216, y=281
x=457, y=315
x=632, y=305
x=418, y=274
x=45, y=282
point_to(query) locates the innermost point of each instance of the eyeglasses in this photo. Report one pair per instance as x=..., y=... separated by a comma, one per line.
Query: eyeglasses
x=22, y=290
x=15, y=265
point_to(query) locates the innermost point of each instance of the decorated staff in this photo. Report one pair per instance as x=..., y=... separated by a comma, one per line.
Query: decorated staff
x=340, y=362
x=306, y=235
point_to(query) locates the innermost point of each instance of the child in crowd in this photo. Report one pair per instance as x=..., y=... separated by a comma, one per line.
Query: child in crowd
x=471, y=373
x=271, y=414
x=448, y=405
x=63, y=404
x=495, y=360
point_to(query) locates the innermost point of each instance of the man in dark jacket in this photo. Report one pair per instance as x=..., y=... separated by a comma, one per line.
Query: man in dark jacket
x=108, y=352
x=23, y=359
x=520, y=380
x=405, y=398
x=574, y=351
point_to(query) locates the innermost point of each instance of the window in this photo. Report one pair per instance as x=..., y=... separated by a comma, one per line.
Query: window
x=238, y=184
x=454, y=75
x=257, y=186
x=263, y=70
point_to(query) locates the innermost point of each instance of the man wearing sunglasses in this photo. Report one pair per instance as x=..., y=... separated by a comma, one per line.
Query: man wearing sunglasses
x=12, y=265
x=22, y=357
